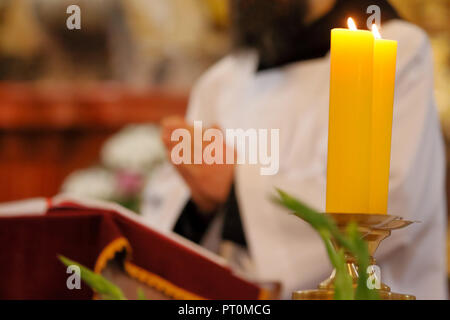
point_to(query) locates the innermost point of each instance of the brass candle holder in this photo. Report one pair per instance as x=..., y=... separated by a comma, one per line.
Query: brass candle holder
x=374, y=228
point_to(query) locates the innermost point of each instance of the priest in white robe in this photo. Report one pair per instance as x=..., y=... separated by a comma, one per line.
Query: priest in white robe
x=278, y=78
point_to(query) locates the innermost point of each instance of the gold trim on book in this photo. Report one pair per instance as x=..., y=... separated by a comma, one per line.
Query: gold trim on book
x=264, y=294
x=160, y=284
x=109, y=252
x=147, y=277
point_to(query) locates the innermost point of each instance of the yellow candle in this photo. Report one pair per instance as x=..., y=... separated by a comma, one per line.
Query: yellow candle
x=350, y=118
x=385, y=54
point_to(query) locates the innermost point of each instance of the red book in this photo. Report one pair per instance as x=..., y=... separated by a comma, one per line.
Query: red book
x=34, y=232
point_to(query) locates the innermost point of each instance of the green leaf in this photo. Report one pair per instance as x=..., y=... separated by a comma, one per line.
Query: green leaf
x=141, y=294
x=351, y=241
x=343, y=282
x=97, y=283
x=316, y=220
x=361, y=252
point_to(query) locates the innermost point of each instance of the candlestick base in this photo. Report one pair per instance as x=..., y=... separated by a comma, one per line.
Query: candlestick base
x=374, y=228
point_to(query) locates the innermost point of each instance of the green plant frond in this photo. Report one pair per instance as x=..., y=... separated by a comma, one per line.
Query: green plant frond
x=317, y=221
x=350, y=241
x=96, y=282
x=361, y=253
x=141, y=294
x=343, y=281
x=343, y=284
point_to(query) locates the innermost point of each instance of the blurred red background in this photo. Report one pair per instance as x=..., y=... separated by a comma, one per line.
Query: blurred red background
x=47, y=133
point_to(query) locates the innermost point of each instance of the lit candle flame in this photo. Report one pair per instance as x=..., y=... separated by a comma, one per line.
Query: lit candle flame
x=351, y=24
x=376, y=32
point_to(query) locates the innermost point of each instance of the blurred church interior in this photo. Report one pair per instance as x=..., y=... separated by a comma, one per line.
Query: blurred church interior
x=70, y=102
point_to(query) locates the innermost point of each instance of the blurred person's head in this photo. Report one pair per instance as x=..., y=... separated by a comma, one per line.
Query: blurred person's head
x=284, y=31
x=273, y=26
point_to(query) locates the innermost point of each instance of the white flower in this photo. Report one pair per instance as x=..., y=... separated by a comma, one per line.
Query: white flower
x=136, y=148
x=96, y=183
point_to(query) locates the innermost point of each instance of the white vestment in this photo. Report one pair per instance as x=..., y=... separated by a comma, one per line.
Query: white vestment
x=295, y=100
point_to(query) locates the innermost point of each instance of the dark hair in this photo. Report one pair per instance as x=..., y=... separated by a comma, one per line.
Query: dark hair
x=276, y=29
